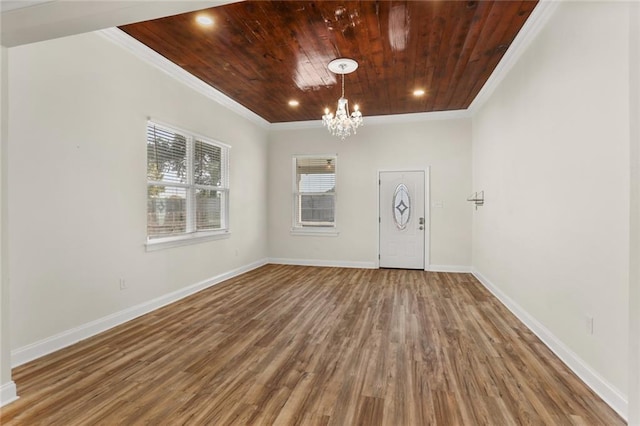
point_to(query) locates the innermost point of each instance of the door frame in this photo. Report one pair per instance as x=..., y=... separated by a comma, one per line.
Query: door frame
x=427, y=212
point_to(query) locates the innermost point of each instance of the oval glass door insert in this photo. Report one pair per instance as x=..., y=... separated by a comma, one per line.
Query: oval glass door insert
x=401, y=206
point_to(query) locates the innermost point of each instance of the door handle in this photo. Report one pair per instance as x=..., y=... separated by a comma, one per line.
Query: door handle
x=421, y=227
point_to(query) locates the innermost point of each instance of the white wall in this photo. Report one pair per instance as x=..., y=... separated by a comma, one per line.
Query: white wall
x=634, y=253
x=7, y=387
x=442, y=145
x=77, y=185
x=551, y=152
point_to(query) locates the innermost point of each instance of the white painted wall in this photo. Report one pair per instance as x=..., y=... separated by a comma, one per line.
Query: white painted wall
x=7, y=387
x=634, y=253
x=551, y=152
x=442, y=145
x=77, y=185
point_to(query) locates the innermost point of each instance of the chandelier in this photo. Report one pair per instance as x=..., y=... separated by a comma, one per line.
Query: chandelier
x=343, y=124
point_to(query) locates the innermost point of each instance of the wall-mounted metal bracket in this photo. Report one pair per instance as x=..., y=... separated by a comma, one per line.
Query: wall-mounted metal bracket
x=477, y=198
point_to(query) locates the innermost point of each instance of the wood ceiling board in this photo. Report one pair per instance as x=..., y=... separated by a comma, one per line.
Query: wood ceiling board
x=264, y=53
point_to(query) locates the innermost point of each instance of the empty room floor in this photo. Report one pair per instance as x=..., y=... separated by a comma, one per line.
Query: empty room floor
x=303, y=345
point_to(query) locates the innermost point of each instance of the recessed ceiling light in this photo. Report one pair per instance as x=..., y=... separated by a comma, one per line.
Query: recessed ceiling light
x=418, y=92
x=293, y=103
x=204, y=20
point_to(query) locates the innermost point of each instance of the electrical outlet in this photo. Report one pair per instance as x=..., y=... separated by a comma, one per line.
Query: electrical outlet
x=589, y=324
x=123, y=284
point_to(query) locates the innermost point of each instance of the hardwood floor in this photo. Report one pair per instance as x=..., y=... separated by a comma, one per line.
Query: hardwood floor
x=292, y=345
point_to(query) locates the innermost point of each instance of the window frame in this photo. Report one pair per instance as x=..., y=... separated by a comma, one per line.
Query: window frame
x=310, y=229
x=192, y=235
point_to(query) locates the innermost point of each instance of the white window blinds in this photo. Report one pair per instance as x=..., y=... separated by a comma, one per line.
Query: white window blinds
x=315, y=191
x=187, y=183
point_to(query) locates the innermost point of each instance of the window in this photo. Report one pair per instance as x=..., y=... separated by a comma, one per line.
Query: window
x=187, y=185
x=314, y=192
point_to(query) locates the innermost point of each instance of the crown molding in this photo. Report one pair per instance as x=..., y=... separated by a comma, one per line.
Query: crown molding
x=296, y=125
x=418, y=116
x=8, y=5
x=152, y=57
x=381, y=119
x=529, y=31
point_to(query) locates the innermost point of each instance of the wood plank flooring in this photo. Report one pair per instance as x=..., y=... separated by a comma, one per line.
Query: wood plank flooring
x=291, y=345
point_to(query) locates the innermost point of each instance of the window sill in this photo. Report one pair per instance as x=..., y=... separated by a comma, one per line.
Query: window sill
x=317, y=232
x=185, y=240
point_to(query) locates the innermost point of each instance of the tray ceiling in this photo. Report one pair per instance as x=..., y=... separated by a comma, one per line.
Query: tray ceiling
x=264, y=54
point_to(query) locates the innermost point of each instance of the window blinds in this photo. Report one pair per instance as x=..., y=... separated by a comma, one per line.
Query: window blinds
x=315, y=191
x=166, y=155
x=187, y=183
x=316, y=175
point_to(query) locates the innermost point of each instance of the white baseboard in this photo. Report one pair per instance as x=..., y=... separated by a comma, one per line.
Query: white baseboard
x=327, y=263
x=363, y=265
x=609, y=393
x=51, y=344
x=449, y=268
x=8, y=393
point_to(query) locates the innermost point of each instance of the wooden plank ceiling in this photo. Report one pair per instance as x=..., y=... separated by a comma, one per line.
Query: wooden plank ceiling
x=263, y=54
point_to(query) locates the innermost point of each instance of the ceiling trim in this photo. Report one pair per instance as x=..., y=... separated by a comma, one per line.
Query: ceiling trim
x=381, y=119
x=531, y=28
x=418, y=116
x=30, y=21
x=8, y=5
x=149, y=55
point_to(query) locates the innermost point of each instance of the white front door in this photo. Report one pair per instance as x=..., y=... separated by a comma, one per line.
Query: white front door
x=402, y=219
